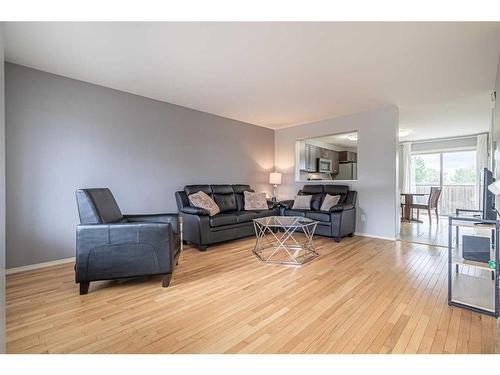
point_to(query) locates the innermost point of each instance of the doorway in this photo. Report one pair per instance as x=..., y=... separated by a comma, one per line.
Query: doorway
x=455, y=172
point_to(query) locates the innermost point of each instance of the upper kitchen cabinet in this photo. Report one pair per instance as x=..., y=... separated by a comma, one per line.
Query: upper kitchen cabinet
x=348, y=157
x=308, y=155
x=327, y=158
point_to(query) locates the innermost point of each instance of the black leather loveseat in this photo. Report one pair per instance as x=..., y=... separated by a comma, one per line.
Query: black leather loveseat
x=339, y=221
x=231, y=223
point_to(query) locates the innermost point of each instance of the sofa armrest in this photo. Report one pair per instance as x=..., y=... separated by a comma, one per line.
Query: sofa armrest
x=288, y=204
x=195, y=211
x=341, y=207
x=172, y=218
x=151, y=239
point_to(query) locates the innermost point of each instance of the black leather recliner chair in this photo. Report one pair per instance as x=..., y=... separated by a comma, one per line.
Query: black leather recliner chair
x=339, y=221
x=110, y=245
x=231, y=223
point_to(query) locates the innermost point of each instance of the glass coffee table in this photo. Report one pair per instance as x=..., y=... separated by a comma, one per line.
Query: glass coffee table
x=278, y=240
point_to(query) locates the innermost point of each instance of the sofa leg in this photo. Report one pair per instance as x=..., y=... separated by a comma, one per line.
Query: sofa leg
x=337, y=239
x=202, y=247
x=84, y=288
x=166, y=280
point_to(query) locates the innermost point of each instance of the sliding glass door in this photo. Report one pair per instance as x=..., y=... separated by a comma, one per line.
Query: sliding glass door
x=454, y=172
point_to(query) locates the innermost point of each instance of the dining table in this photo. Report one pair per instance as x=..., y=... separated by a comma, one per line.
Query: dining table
x=407, y=212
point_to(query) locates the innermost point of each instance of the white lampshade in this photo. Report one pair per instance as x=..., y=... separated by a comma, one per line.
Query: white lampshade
x=495, y=187
x=275, y=178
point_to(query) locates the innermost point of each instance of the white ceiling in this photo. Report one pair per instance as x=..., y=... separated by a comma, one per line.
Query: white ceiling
x=282, y=74
x=340, y=139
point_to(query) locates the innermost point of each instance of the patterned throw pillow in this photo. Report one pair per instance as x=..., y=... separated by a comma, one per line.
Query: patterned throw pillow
x=255, y=201
x=329, y=202
x=302, y=202
x=202, y=200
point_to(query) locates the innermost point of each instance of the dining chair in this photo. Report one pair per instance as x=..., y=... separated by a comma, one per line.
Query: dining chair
x=432, y=203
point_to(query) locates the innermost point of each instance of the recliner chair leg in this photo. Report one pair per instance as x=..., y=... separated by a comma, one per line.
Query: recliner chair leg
x=84, y=288
x=337, y=239
x=166, y=280
x=351, y=234
x=202, y=247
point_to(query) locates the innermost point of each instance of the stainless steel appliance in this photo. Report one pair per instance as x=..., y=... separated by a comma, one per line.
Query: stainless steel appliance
x=347, y=171
x=325, y=165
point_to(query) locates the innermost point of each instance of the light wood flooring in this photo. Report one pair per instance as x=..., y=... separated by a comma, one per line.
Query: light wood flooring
x=435, y=233
x=362, y=295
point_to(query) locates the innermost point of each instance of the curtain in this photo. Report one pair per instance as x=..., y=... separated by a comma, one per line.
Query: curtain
x=408, y=185
x=481, y=162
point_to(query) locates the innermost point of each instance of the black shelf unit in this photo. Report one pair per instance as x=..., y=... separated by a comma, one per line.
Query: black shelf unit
x=476, y=289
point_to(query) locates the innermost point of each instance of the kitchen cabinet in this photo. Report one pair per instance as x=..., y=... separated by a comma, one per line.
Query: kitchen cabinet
x=348, y=157
x=307, y=156
x=312, y=154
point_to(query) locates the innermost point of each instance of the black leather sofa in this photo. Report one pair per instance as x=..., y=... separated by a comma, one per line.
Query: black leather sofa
x=110, y=245
x=339, y=221
x=231, y=223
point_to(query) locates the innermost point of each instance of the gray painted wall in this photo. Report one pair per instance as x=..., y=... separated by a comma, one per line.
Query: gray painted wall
x=377, y=165
x=64, y=134
x=2, y=197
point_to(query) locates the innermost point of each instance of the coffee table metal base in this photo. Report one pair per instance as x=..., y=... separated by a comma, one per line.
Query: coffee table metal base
x=281, y=245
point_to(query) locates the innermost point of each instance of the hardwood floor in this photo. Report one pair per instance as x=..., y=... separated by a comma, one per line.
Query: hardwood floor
x=360, y=296
x=434, y=234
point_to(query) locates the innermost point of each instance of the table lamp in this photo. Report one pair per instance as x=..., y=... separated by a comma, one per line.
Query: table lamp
x=275, y=180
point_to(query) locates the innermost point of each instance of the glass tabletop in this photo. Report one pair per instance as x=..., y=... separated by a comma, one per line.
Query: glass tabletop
x=285, y=221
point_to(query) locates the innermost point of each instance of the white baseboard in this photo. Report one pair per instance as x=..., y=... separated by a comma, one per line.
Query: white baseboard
x=372, y=236
x=10, y=271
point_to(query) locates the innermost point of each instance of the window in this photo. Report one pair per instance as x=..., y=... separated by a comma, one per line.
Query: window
x=454, y=172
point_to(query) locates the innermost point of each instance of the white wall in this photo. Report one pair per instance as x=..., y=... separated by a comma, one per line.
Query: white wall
x=377, y=165
x=496, y=125
x=2, y=197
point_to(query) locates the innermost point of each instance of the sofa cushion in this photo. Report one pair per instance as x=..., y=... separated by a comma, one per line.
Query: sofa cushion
x=239, y=190
x=318, y=215
x=337, y=190
x=316, y=201
x=329, y=201
x=202, y=200
x=98, y=206
x=302, y=202
x=265, y=213
x=312, y=189
x=255, y=201
x=226, y=202
x=222, y=189
x=224, y=197
x=223, y=219
x=246, y=216
x=191, y=189
x=293, y=212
